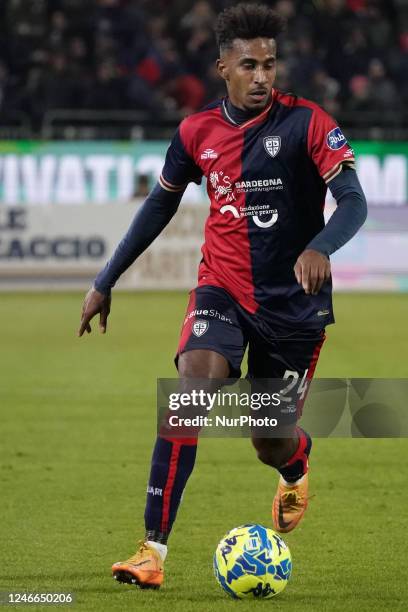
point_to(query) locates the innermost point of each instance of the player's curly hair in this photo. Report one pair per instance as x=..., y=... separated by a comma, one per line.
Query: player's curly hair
x=247, y=21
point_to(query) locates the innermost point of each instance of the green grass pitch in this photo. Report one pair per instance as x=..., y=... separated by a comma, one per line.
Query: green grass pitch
x=77, y=427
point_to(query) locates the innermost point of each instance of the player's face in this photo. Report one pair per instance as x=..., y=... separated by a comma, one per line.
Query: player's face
x=249, y=70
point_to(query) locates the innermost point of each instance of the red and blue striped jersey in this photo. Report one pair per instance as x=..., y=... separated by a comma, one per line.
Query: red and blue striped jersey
x=266, y=181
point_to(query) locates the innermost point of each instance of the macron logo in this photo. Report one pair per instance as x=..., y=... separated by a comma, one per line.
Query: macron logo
x=209, y=154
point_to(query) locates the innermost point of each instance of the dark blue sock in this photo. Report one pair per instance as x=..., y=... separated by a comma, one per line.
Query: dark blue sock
x=172, y=463
x=298, y=464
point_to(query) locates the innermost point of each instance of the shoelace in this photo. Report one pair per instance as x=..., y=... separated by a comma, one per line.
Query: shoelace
x=143, y=548
x=291, y=500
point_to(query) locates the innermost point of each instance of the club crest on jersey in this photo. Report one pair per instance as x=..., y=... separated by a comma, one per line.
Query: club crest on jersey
x=200, y=327
x=336, y=139
x=272, y=145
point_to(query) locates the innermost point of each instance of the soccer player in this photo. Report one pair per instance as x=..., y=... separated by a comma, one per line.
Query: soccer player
x=268, y=158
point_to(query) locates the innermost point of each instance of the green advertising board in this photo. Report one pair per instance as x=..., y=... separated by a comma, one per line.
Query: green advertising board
x=38, y=173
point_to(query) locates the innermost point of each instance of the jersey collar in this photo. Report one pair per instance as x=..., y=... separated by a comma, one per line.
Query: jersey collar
x=251, y=121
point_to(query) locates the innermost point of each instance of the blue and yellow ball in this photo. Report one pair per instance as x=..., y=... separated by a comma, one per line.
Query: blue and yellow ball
x=252, y=561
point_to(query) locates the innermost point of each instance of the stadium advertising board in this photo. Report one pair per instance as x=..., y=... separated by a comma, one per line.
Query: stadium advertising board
x=64, y=206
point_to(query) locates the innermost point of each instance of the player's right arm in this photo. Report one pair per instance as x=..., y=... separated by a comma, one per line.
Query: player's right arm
x=150, y=220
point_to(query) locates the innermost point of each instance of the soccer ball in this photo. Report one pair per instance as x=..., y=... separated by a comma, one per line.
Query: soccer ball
x=252, y=561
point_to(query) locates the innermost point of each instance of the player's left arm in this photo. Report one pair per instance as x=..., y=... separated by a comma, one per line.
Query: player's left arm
x=334, y=160
x=349, y=216
x=312, y=268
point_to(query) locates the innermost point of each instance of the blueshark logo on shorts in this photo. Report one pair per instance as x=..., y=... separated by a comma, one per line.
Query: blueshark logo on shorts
x=336, y=139
x=200, y=327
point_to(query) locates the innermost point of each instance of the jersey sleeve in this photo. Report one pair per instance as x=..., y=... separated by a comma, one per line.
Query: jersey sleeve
x=327, y=146
x=179, y=168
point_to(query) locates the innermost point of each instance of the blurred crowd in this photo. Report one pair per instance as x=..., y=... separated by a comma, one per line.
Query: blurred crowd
x=156, y=55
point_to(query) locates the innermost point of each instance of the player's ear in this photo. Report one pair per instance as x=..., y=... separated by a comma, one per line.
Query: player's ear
x=222, y=69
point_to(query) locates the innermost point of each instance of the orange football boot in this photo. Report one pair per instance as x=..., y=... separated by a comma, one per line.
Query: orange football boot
x=289, y=504
x=143, y=569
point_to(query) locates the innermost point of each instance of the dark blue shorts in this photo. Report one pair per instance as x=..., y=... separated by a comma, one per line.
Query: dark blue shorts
x=215, y=321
